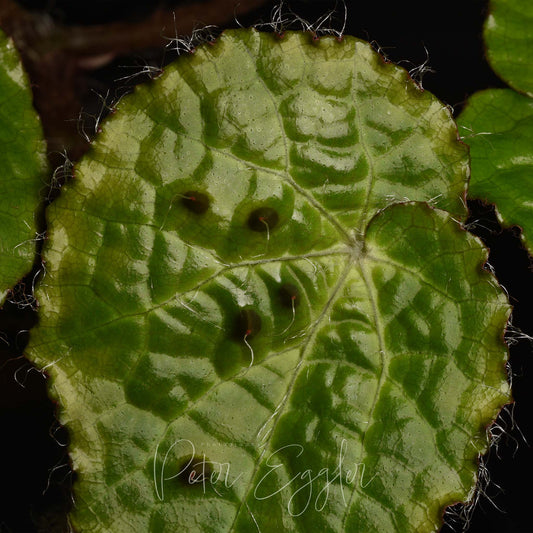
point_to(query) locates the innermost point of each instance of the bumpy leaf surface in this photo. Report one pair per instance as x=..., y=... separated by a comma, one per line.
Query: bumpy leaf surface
x=23, y=164
x=509, y=38
x=252, y=320
x=498, y=126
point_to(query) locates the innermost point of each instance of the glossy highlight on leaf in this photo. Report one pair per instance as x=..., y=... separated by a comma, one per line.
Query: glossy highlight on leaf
x=24, y=166
x=335, y=372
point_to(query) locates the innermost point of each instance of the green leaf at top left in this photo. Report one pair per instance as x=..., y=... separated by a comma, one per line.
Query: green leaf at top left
x=23, y=168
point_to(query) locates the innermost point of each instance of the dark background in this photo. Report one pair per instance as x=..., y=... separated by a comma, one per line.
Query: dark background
x=76, y=54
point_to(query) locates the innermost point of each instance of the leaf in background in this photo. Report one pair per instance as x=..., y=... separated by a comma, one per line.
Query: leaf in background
x=237, y=280
x=498, y=126
x=498, y=123
x=509, y=39
x=24, y=167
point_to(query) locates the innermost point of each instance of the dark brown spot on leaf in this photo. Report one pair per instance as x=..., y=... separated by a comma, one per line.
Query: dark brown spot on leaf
x=289, y=295
x=263, y=219
x=195, y=470
x=195, y=201
x=247, y=324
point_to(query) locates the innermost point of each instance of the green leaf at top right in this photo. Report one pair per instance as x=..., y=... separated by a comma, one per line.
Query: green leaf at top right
x=509, y=38
x=497, y=124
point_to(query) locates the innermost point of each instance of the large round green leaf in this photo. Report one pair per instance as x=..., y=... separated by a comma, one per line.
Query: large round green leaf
x=252, y=319
x=498, y=126
x=23, y=164
x=509, y=39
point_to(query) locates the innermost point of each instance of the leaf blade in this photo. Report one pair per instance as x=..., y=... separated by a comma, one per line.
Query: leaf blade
x=23, y=160
x=508, y=37
x=498, y=127
x=193, y=326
